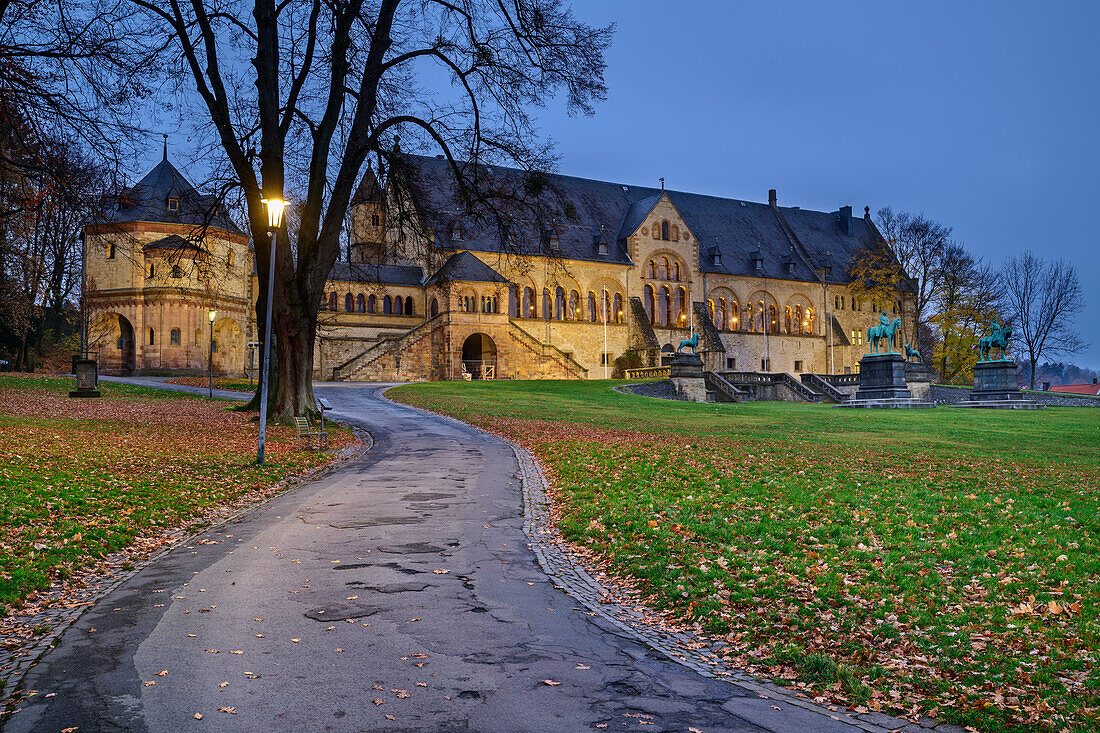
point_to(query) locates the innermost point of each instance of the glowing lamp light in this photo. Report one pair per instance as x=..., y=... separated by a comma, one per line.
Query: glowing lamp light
x=211, y=314
x=274, y=209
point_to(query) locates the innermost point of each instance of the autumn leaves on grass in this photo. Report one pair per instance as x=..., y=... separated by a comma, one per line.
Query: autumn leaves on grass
x=916, y=565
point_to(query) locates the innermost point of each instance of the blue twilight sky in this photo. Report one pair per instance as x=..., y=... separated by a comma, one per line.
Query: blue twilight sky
x=983, y=115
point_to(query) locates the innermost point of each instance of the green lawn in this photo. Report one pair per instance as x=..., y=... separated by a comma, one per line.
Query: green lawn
x=82, y=478
x=944, y=559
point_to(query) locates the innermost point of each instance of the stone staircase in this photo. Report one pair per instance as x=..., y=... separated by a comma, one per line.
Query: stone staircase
x=721, y=390
x=819, y=384
x=547, y=351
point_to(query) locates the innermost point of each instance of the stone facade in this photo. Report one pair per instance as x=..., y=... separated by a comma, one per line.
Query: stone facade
x=763, y=286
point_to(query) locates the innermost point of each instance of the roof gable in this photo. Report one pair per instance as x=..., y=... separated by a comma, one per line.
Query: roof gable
x=465, y=267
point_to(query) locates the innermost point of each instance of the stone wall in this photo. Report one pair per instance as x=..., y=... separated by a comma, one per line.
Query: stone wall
x=945, y=394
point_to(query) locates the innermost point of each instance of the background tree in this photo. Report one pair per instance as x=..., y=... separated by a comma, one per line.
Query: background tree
x=876, y=276
x=298, y=95
x=919, y=244
x=966, y=303
x=1042, y=300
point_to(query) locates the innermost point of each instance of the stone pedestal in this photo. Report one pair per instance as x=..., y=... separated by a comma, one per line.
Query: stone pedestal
x=686, y=375
x=87, y=378
x=919, y=379
x=882, y=384
x=995, y=387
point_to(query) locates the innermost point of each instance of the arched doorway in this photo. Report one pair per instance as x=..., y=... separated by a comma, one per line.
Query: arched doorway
x=479, y=357
x=125, y=345
x=112, y=335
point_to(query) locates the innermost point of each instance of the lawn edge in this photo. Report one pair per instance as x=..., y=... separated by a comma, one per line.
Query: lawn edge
x=572, y=574
x=62, y=618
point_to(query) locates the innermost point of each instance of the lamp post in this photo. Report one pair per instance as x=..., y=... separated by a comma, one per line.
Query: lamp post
x=274, y=208
x=211, y=315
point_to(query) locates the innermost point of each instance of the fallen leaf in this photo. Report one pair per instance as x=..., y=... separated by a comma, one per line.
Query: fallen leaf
x=295, y=640
x=550, y=683
x=150, y=683
x=236, y=651
x=227, y=709
x=223, y=684
x=378, y=701
x=211, y=651
x=441, y=571
x=162, y=673
x=197, y=716
x=390, y=717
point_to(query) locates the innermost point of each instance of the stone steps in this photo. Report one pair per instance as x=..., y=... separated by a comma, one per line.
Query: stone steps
x=899, y=403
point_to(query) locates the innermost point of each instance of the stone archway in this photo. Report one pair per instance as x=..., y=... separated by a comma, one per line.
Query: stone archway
x=228, y=352
x=112, y=335
x=479, y=356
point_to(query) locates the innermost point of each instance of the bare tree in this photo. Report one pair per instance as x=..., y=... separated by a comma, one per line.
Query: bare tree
x=1042, y=301
x=298, y=95
x=919, y=244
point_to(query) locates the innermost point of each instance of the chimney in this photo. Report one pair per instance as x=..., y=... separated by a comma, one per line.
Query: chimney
x=771, y=197
x=846, y=219
x=1094, y=380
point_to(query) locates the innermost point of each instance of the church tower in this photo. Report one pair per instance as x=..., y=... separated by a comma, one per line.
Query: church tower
x=366, y=222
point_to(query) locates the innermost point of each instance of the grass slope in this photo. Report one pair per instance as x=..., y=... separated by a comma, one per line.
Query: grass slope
x=81, y=478
x=941, y=560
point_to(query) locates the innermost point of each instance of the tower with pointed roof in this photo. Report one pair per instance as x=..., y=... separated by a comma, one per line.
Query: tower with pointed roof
x=366, y=222
x=158, y=258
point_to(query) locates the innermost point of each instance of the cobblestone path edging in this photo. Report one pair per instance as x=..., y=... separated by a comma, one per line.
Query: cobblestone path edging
x=681, y=647
x=60, y=618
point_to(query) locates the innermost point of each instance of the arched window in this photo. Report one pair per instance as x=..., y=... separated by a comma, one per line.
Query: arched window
x=528, y=303
x=409, y=306
x=387, y=305
x=656, y=231
x=650, y=304
x=151, y=269
x=229, y=259
x=681, y=307
x=664, y=307
x=591, y=306
x=360, y=303
x=546, y=311
x=398, y=306
x=574, y=304
x=773, y=321
x=798, y=325
x=719, y=317
x=675, y=233
x=559, y=303
x=349, y=303
x=174, y=337
x=605, y=306
x=809, y=319
x=618, y=313
x=750, y=320
x=735, y=316
x=787, y=319
x=372, y=304
x=152, y=337
x=198, y=336
x=653, y=269
x=664, y=230
x=662, y=269
x=111, y=251
x=332, y=301
x=676, y=271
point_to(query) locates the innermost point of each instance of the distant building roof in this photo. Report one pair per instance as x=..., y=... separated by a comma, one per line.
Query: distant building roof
x=368, y=191
x=465, y=267
x=358, y=272
x=1086, y=389
x=174, y=242
x=149, y=200
x=791, y=241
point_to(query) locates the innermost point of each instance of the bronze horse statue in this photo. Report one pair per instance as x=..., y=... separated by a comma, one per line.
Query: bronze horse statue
x=692, y=343
x=910, y=352
x=998, y=339
x=874, y=333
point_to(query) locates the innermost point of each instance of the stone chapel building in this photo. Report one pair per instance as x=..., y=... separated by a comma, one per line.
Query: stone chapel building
x=438, y=293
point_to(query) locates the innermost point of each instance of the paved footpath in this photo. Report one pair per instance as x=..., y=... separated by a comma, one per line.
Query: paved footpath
x=398, y=593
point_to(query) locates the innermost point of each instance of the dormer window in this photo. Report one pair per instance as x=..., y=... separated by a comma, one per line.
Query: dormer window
x=790, y=267
x=374, y=220
x=173, y=204
x=456, y=233
x=601, y=248
x=758, y=261
x=717, y=257
x=555, y=243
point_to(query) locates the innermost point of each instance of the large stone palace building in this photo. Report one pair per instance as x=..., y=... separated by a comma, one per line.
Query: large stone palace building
x=438, y=293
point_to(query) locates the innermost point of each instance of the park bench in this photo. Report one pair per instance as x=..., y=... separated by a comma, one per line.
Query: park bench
x=306, y=434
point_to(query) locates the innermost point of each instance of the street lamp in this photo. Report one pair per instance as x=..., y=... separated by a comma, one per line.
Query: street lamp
x=274, y=208
x=211, y=315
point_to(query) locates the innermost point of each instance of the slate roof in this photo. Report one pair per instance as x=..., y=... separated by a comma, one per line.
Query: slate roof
x=368, y=191
x=376, y=274
x=736, y=228
x=465, y=267
x=147, y=200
